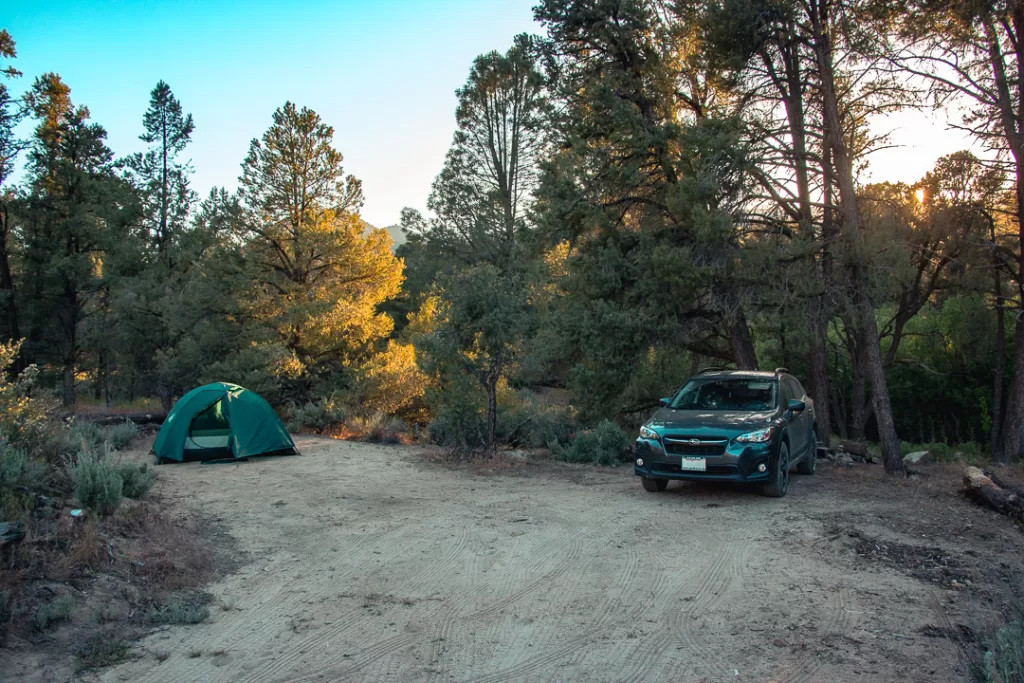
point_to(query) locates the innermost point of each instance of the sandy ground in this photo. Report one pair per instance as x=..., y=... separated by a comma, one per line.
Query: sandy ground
x=371, y=563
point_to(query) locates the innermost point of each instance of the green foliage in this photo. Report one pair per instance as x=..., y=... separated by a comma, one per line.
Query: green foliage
x=53, y=612
x=180, y=610
x=317, y=415
x=98, y=483
x=120, y=436
x=943, y=452
x=106, y=647
x=603, y=445
x=136, y=479
x=20, y=478
x=1002, y=649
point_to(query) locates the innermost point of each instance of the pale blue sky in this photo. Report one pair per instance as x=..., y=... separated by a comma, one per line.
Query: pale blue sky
x=382, y=73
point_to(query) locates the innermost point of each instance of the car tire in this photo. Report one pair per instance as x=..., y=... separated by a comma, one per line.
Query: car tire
x=779, y=484
x=810, y=460
x=653, y=485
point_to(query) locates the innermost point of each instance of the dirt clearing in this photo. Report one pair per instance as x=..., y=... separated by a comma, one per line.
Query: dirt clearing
x=371, y=563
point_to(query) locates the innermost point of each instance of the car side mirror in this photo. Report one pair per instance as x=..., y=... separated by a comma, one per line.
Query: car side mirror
x=664, y=402
x=796, y=406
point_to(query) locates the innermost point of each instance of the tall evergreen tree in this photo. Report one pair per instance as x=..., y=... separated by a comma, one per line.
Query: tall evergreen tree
x=11, y=114
x=319, y=273
x=76, y=207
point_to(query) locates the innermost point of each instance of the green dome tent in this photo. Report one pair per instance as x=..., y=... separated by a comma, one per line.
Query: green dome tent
x=221, y=420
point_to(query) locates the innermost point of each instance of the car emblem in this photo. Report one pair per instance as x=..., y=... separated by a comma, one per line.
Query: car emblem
x=694, y=442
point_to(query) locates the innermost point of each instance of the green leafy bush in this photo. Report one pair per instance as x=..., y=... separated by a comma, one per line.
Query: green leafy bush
x=98, y=483
x=57, y=610
x=136, y=480
x=602, y=445
x=121, y=435
x=316, y=416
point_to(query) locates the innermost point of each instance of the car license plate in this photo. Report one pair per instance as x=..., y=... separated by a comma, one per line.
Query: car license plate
x=694, y=465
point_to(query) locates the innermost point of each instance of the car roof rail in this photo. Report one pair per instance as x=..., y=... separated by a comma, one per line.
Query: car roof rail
x=713, y=368
x=779, y=371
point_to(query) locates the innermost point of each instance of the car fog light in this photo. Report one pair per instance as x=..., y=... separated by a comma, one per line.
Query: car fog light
x=762, y=468
x=639, y=462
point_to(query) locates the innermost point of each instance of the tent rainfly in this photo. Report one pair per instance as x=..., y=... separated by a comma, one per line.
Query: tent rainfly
x=221, y=420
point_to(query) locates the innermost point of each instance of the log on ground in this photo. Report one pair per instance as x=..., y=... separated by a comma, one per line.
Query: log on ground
x=982, y=490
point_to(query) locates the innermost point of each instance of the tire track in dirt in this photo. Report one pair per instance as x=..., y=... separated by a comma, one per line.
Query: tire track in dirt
x=840, y=621
x=374, y=653
x=273, y=670
x=235, y=635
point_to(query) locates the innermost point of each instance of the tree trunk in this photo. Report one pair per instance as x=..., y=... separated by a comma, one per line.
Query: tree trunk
x=8, y=307
x=742, y=343
x=1015, y=401
x=858, y=391
x=864, y=308
x=165, y=396
x=1000, y=368
x=818, y=362
x=492, y=408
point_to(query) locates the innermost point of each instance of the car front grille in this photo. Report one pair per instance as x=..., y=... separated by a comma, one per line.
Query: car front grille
x=712, y=470
x=683, y=446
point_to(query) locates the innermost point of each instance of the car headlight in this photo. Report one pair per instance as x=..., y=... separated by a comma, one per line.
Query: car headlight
x=760, y=436
x=646, y=433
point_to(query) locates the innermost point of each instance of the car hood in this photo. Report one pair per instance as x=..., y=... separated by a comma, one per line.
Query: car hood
x=697, y=421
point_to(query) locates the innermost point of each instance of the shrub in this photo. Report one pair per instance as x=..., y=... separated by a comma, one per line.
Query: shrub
x=20, y=477
x=458, y=426
x=82, y=435
x=316, y=416
x=943, y=452
x=136, y=480
x=121, y=435
x=57, y=610
x=379, y=428
x=98, y=483
x=1002, y=649
x=106, y=647
x=603, y=445
x=23, y=418
x=189, y=609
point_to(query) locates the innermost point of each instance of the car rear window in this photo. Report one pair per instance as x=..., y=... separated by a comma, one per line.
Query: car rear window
x=727, y=394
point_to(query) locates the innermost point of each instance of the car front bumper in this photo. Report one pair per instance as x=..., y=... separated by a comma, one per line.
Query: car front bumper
x=739, y=463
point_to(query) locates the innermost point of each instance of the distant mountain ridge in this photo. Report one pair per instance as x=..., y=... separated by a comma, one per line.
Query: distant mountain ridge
x=397, y=236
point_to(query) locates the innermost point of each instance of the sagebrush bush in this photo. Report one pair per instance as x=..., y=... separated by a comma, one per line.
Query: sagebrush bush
x=83, y=435
x=1002, y=649
x=20, y=477
x=378, y=428
x=181, y=609
x=98, y=483
x=120, y=436
x=136, y=480
x=316, y=416
x=603, y=445
x=55, y=611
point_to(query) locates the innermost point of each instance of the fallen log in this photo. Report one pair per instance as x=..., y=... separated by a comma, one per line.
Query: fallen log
x=1005, y=485
x=138, y=418
x=982, y=490
x=854, y=447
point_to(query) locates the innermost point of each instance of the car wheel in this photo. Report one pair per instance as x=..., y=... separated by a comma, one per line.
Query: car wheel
x=653, y=485
x=779, y=484
x=807, y=465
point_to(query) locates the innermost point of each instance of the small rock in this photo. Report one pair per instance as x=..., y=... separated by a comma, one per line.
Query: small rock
x=779, y=642
x=919, y=458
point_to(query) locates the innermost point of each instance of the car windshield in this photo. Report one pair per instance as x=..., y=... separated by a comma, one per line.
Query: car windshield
x=727, y=394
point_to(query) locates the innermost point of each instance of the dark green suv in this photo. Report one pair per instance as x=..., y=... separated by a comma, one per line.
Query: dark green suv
x=744, y=426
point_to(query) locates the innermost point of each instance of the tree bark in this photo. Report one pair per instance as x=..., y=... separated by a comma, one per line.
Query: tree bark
x=818, y=362
x=742, y=343
x=999, y=372
x=8, y=305
x=864, y=308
